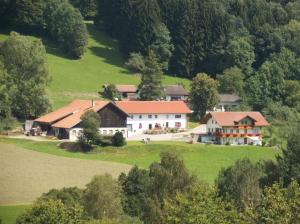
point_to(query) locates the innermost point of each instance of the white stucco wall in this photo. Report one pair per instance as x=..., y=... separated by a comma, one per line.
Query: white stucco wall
x=74, y=133
x=134, y=121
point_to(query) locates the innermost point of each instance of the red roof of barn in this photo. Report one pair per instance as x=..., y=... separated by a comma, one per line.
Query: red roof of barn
x=154, y=107
x=230, y=118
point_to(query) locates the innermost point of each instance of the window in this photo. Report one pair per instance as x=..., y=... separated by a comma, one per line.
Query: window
x=104, y=132
x=74, y=132
x=149, y=116
x=178, y=116
x=131, y=116
x=111, y=132
x=237, y=131
x=167, y=116
x=141, y=116
x=177, y=124
x=140, y=126
x=155, y=116
x=231, y=131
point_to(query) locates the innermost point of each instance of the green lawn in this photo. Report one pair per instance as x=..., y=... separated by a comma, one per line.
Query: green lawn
x=8, y=214
x=203, y=160
x=102, y=63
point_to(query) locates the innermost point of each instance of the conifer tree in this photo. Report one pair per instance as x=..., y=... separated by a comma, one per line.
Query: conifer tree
x=151, y=80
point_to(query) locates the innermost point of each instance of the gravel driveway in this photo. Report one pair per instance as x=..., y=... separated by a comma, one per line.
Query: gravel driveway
x=26, y=174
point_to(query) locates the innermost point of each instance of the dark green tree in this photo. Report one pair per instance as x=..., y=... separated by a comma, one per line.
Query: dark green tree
x=102, y=198
x=118, y=139
x=241, y=183
x=65, y=24
x=185, y=39
x=90, y=123
x=110, y=92
x=232, y=81
x=162, y=45
x=151, y=80
x=26, y=63
x=204, y=94
x=87, y=8
x=289, y=161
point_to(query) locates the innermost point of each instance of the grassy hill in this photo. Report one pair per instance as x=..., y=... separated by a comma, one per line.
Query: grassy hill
x=102, y=63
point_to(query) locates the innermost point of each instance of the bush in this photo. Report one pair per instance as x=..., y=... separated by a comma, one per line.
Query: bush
x=68, y=196
x=50, y=211
x=7, y=124
x=79, y=146
x=227, y=143
x=136, y=63
x=118, y=139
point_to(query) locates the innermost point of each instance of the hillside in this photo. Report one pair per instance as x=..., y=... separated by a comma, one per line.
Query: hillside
x=102, y=63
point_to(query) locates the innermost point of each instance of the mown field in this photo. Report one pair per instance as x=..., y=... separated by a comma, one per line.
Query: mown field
x=203, y=160
x=102, y=63
x=8, y=214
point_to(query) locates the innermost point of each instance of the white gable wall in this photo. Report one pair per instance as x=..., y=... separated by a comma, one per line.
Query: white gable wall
x=139, y=123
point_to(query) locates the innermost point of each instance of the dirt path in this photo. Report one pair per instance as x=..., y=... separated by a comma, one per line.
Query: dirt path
x=26, y=174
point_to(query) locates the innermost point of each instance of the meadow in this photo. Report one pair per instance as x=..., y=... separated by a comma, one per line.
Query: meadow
x=102, y=63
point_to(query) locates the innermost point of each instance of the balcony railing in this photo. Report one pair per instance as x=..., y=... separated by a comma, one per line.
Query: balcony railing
x=242, y=135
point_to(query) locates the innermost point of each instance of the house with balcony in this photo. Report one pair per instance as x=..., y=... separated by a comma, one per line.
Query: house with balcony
x=235, y=128
x=228, y=102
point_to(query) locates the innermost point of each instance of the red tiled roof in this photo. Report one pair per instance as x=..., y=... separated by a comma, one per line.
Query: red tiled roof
x=75, y=106
x=126, y=88
x=75, y=118
x=154, y=107
x=69, y=116
x=230, y=118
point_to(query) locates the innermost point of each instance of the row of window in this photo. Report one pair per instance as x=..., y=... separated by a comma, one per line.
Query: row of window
x=150, y=126
x=150, y=116
x=103, y=132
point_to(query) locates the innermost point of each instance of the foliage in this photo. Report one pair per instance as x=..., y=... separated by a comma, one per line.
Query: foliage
x=135, y=187
x=162, y=46
x=146, y=191
x=232, y=81
x=118, y=139
x=240, y=53
x=55, y=18
x=122, y=220
x=291, y=94
x=279, y=205
x=136, y=62
x=66, y=26
x=241, y=183
x=110, y=92
x=289, y=161
x=150, y=87
x=51, y=211
x=102, y=198
x=70, y=197
x=201, y=205
x=87, y=8
x=90, y=122
x=204, y=94
x=27, y=76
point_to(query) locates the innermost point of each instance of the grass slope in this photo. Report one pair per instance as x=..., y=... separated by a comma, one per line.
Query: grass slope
x=203, y=160
x=102, y=63
x=9, y=214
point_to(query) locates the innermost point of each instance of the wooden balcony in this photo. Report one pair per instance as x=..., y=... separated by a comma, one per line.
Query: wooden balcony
x=237, y=135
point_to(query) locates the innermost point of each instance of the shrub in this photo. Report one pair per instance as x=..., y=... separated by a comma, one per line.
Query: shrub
x=68, y=196
x=118, y=139
x=75, y=146
x=50, y=211
x=227, y=143
x=7, y=124
x=136, y=62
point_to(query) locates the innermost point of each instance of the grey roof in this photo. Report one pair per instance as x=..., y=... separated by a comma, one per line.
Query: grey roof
x=232, y=98
x=175, y=90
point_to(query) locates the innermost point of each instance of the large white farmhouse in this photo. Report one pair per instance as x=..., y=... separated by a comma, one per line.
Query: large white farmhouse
x=147, y=115
x=128, y=117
